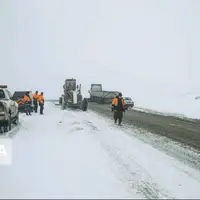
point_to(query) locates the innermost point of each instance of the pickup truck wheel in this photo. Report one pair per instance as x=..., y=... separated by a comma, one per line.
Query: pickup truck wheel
x=8, y=127
x=16, y=121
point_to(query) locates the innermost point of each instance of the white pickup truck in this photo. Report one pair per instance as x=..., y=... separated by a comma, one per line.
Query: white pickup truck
x=8, y=109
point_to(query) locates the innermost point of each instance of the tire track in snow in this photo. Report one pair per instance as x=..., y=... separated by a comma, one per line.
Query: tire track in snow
x=72, y=118
x=133, y=174
x=136, y=177
x=130, y=171
x=184, y=153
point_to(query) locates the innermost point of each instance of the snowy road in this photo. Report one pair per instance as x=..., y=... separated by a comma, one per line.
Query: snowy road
x=181, y=130
x=67, y=154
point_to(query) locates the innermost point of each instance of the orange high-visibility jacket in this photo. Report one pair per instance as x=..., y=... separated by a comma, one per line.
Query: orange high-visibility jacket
x=26, y=98
x=35, y=96
x=41, y=99
x=115, y=101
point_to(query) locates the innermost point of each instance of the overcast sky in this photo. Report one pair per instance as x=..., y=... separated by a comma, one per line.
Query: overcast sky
x=143, y=44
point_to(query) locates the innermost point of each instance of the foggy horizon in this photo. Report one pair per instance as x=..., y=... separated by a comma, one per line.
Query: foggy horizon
x=148, y=45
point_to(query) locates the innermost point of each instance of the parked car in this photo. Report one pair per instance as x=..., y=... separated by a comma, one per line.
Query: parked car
x=18, y=97
x=8, y=109
x=129, y=104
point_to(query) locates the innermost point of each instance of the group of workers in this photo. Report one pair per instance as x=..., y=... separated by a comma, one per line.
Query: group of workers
x=118, y=108
x=38, y=99
x=117, y=105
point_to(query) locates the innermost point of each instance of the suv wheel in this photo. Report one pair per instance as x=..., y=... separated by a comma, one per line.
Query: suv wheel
x=129, y=108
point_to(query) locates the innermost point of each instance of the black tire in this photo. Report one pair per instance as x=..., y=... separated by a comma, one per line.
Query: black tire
x=16, y=121
x=84, y=104
x=8, y=127
x=84, y=108
x=129, y=108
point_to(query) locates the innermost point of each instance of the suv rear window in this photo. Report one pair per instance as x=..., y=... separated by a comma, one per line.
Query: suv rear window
x=2, y=94
x=19, y=94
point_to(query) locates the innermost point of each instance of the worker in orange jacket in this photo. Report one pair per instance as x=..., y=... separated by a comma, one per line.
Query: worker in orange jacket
x=27, y=102
x=118, y=108
x=41, y=103
x=35, y=101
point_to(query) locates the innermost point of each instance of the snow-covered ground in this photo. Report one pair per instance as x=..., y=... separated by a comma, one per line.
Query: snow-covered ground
x=74, y=154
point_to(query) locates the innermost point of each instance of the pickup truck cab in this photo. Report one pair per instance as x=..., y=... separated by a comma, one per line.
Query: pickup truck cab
x=8, y=109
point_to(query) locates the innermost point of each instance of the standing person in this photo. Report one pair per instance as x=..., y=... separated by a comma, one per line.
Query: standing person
x=113, y=108
x=35, y=101
x=27, y=101
x=41, y=103
x=118, y=108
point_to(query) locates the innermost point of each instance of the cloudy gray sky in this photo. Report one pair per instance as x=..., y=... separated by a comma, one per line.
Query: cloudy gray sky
x=146, y=44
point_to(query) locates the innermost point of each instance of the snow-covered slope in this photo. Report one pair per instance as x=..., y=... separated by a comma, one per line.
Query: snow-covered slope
x=72, y=154
x=182, y=105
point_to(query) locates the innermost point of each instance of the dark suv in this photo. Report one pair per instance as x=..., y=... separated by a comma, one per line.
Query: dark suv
x=18, y=97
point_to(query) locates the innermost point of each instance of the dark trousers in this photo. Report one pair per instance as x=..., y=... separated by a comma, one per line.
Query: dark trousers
x=28, y=108
x=118, y=115
x=35, y=103
x=41, y=108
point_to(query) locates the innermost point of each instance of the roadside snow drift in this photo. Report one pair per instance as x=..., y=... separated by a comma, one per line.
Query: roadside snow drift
x=74, y=154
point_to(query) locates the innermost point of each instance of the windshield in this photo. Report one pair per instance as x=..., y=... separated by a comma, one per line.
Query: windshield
x=70, y=84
